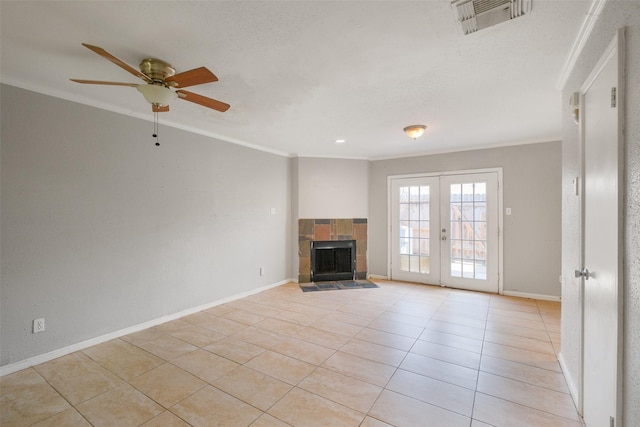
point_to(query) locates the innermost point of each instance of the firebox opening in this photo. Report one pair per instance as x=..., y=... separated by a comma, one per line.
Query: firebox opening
x=333, y=260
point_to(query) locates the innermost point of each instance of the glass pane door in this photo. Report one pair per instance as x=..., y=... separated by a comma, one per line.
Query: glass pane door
x=470, y=237
x=415, y=219
x=468, y=225
x=444, y=230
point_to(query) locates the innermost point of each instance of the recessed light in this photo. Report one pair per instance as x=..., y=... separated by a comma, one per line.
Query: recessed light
x=340, y=141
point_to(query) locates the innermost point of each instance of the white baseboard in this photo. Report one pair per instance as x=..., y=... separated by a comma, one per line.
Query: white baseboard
x=45, y=357
x=376, y=276
x=573, y=389
x=532, y=296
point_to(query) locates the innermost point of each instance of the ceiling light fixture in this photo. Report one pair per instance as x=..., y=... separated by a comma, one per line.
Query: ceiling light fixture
x=156, y=94
x=340, y=141
x=414, y=131
x=159, y=96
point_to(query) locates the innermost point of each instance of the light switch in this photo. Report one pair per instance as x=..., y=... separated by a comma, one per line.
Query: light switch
x=507, y=211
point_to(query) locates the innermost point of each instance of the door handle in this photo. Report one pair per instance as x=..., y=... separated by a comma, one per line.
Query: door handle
x=444, y=237
x=582, y=273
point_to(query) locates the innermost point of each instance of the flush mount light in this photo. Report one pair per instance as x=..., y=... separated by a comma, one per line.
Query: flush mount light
x=340, y=141
x=414, y=131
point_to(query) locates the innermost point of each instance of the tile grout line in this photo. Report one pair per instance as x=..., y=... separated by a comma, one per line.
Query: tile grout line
x=525, y=382
x=475, y=394
x=368, y=305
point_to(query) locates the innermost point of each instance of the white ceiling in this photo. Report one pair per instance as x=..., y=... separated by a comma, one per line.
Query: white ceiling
x=300, y=74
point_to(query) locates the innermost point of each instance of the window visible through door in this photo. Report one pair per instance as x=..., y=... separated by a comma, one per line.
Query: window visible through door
x=468, y=230
x=414, y=229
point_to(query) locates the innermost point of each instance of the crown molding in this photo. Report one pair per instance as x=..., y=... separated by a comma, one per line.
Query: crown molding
x=142, y=116
x=585, y=31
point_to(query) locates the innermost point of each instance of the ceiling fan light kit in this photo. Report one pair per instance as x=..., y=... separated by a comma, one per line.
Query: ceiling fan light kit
x=160, y=77
x=415, y=131
x=157, y=95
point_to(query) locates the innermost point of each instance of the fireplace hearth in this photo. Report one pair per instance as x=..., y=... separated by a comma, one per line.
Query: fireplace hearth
x=333, y=260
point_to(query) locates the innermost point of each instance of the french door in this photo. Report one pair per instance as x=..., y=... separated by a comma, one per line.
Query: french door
x=444, y=230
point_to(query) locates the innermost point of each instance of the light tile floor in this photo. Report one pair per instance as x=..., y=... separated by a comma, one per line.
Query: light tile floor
x=399, y=355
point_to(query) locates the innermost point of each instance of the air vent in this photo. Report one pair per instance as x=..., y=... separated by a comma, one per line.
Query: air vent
x=475, y=15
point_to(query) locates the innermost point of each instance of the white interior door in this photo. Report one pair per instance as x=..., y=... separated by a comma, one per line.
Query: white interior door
x=602, y=278
x=444, y=230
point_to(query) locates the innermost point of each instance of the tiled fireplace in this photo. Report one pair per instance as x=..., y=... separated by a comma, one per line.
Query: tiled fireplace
x=323, y=230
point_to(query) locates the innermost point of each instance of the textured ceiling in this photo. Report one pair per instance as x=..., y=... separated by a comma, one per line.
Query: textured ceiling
x=300, y=74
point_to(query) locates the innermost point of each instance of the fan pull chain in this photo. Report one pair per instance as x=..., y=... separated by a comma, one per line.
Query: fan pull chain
x=155, y=127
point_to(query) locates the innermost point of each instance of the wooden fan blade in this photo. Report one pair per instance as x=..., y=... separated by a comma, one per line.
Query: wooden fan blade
x=100, y=51
x=159, y=109
x=197, y=76
x=203, y=100
x=99, y=82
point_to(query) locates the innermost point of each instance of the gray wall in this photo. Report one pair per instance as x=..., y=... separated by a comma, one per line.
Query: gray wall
x=293, y=227
x=101, y=230
x=332, y=188
x=531, y=178
x=326, y=188
x=615, y=15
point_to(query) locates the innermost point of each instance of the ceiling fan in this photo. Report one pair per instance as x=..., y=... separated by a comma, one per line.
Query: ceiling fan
x=160, y=80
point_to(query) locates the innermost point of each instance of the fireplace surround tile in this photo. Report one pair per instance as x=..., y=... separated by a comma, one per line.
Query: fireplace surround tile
x=361, y=262
x=345, y=227
x=324, y=229
x=305, y=227
x=360, y=231
x=304, y=246
x=361, y=249
x=304, y=278
x=305, y=264
x=322, y=232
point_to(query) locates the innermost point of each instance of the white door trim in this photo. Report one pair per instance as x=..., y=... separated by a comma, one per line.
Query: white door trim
x=497, y=170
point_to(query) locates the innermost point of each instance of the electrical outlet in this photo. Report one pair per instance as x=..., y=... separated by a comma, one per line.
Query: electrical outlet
x=38, y=325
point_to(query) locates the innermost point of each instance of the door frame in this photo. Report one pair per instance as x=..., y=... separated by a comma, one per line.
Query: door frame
x=616, y=45
x=497, y=170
